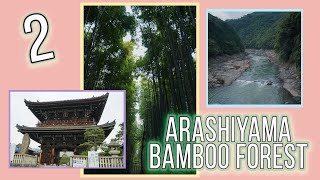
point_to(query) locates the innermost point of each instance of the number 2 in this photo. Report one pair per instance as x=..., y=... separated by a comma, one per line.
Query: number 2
x=34, y=55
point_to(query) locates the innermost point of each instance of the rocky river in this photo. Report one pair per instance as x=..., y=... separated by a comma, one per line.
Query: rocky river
x=257, y=83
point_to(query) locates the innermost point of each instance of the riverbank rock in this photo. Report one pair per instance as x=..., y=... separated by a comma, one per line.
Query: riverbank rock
x=269, y=83
x=216, y=82
x=297, y=99
x=223, y=70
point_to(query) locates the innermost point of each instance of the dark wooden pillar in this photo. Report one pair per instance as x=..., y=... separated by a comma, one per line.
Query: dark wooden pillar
x=52, y=155
x=40, y=156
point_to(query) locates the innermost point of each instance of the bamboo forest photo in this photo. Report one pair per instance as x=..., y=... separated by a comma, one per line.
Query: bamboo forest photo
x=149, y=51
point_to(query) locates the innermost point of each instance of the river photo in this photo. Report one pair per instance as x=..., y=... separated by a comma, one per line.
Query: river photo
x=255, y=58
x=259, y=84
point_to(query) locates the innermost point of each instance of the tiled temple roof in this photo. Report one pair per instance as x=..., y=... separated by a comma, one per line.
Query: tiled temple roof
x=96, y=103
x=66, y=102
x=62, y=128
x=36, y=132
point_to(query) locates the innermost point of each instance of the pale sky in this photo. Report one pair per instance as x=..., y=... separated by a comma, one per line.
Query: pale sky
x=20, y=114
x=138, y=50
x=229, y=14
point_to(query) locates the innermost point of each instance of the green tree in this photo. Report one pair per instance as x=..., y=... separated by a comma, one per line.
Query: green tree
x=119, y=135
x=94, y=138
x=64, y=160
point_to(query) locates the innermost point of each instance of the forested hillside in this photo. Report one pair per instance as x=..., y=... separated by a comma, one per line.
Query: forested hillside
x=280, y=31
x=222, y=38
x=258, y=30
x=288, y=44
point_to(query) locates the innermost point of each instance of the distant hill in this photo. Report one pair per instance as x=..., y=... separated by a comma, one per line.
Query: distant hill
x=258, y=30
x=280, y=31
x=222, y=38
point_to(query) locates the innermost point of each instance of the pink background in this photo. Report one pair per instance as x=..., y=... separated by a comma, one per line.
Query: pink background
x=16, y=73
